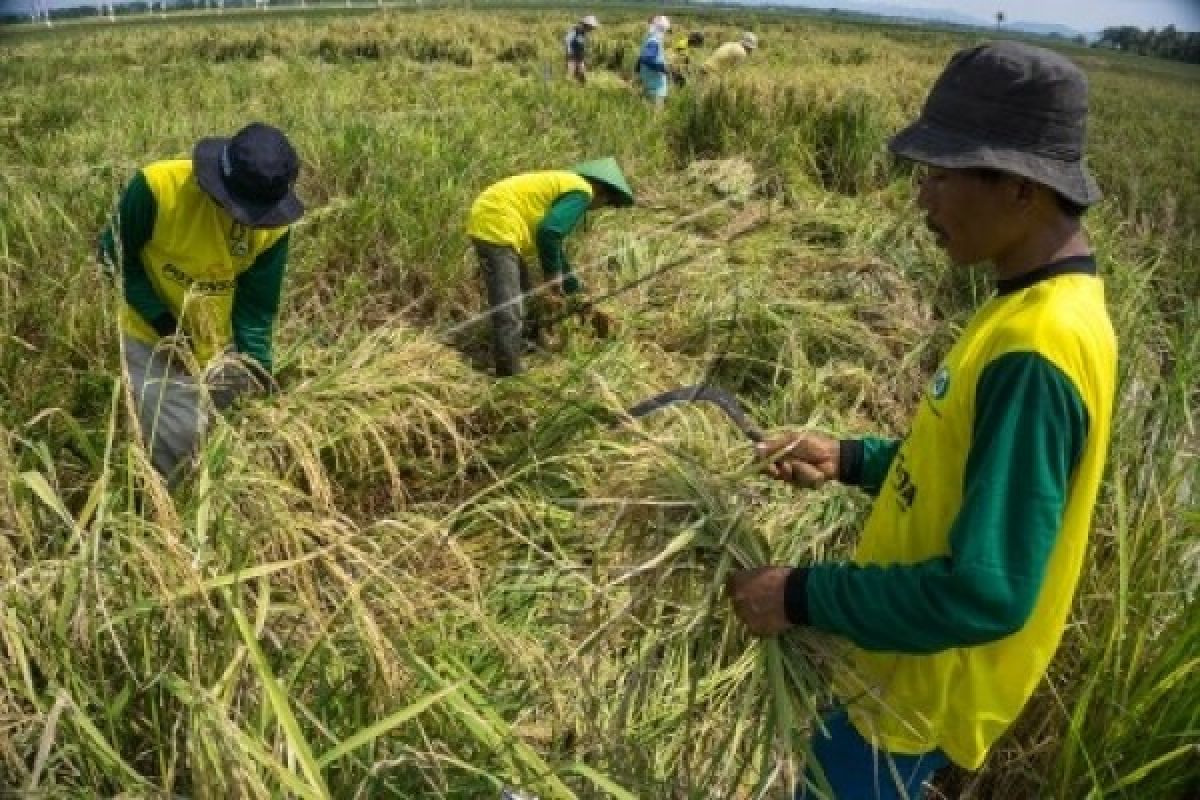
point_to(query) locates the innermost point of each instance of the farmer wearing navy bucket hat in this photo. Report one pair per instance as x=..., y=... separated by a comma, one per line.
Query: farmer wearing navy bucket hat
x=251, y=175
x=961, y=585
x=201, y=247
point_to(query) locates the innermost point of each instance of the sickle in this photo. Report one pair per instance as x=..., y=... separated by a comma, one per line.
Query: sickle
x=702, y=393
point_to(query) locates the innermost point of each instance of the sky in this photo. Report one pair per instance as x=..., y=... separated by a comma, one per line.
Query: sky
x=1083, y=15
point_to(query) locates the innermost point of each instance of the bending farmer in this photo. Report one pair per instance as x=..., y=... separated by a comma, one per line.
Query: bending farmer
x=961, y=585
x=530, y=214
x=726, y=57
x=681, y=58
x=202, y=246
x=576, y=47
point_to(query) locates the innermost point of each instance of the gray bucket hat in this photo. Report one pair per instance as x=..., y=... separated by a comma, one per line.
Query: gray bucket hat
x=1010, y=107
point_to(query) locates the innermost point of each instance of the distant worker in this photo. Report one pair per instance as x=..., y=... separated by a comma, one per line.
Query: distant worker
x=652, y=62
x=201, y=244
x=681, y=56
x=576, y=46
x=531, y=215
x=729, y=55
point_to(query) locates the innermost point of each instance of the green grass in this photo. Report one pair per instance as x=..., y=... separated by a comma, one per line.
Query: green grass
x=403, y=578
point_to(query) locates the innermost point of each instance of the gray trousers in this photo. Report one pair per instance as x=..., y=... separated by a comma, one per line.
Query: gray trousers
x=174, y=407
x=171, y=407
x=507, y=279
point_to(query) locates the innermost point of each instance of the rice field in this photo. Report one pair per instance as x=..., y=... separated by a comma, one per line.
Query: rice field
x=402, y=578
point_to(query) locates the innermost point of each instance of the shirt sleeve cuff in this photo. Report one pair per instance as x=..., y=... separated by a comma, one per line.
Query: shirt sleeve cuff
x=850, y=461
x=795, y=596
x=164, y=324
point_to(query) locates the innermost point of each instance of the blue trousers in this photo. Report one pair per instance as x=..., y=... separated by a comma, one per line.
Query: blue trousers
x=857, y=771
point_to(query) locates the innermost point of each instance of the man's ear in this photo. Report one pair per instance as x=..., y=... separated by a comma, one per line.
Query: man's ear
x=1025, y=192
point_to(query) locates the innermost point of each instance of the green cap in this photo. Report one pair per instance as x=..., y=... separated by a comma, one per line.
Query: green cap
x=606, y=171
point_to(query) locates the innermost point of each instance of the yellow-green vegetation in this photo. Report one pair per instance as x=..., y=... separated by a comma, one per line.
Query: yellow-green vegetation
x=401, y=578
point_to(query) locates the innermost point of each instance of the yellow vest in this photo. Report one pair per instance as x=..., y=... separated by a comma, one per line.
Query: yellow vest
x=963, y=699
x=193, y=259
x=509, y=212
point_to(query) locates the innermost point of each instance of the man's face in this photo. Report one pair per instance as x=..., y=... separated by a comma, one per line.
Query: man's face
x=973, y=216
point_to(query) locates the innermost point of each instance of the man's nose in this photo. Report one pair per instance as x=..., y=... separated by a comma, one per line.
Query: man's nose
x=925, y=194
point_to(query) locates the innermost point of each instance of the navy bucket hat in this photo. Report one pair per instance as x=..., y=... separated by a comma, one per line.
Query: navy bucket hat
x=251, y=175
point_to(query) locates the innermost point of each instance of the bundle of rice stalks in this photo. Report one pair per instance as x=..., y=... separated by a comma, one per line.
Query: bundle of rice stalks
x=609, y=80
x=236, y=48
x=393, y=406
x=617, y=550
x=616, y=55
x=683, y=678
x=716, y=121
x=425, y=48
x=848, y=139
x=220, y=635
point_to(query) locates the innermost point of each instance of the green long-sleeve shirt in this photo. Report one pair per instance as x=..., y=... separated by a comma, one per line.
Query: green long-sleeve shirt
x=134, y=223
x=1029, y=431
x=564, y=216
x=256, y=297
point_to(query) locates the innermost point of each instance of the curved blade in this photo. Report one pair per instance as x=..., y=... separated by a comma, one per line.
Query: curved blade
x=701, y=393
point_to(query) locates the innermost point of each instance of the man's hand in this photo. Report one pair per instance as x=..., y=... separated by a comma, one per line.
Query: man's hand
x=551, y=304
x=263, y=381
x=807, y=460
x=237, y=376
x=758, y=599
x=603, y=323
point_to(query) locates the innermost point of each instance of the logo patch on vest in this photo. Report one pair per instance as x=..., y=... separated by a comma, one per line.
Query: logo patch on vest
x=239, y=240
x=188, y=282
x=906, y=490
x=940, y=384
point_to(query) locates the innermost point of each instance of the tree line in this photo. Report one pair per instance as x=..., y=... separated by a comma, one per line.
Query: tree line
x=1166, y=43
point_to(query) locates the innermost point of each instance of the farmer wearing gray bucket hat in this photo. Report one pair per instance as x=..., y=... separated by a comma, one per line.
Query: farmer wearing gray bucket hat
x=959, y=591
x=1008, y=107
x=201, y=247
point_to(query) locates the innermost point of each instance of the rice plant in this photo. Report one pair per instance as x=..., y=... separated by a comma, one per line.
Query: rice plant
x=402, y=578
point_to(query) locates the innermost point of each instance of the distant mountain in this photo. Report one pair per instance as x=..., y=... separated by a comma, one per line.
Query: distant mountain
x=908, y=12
x=893, y=10
x=1043, y=29
x=944, y=15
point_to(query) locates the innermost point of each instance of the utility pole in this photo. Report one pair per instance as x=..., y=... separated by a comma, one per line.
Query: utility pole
x=40, y=12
